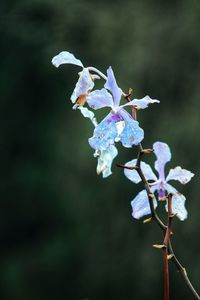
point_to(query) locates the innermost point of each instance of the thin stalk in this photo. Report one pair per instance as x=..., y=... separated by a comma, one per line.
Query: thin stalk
x=165, y=249
x=154, y=215
x=183, y=272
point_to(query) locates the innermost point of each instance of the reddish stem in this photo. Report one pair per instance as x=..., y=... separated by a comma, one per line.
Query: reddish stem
x=165, y=249
x=166, y=274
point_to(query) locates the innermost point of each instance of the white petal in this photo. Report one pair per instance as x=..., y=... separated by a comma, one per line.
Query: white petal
x=105, y=161
x=120, y=126
x=170, y=189
x=140, y=205
x=133, y=174
x=141, y=103
x=88, y=114
x=182, y=175
x=178, y=206
x=163, y=155
x=65, y=57
x=83, y=85
x=100, y=98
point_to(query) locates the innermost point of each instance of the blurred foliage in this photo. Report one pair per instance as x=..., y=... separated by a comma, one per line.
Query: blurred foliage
x=64, y=232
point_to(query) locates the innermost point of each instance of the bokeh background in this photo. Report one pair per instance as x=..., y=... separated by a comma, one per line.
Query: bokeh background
x=66, y=233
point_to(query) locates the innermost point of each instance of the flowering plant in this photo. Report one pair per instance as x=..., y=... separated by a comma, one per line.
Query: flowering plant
x=121, y=125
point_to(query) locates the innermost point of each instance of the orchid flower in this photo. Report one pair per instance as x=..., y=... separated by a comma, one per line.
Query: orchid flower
x=85, y=82
x=118, y=125
x=140, y=204
x=83, y=87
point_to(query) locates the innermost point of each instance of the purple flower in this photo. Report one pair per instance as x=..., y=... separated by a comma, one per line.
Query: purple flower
x=159, y=184
x=118, y=125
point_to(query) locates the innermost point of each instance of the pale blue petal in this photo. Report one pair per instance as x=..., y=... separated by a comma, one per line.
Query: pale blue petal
x=88, y=114
x=182, y=175
x=140, y=205
x=163, y=155
x=170, y=189
x=141, y=103
x=65, y=57
x=178, y=206
x=133, y=174
x=104, y=134
x=132, y=134
x=112, y=86
x=99, y=98
x=83, y=86
x=105, y=160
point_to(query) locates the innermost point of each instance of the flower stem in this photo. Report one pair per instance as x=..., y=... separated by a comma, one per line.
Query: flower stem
x=165, y=249
x=163, y=227
x=183, y=272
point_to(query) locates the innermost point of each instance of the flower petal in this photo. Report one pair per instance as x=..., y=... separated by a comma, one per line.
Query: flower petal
x=170, y=189
x=65, y=57
x=83, y=86
x=105, y=160
x=141, y=103
x=112, y=86
x=132, y=134
x=163, y=155
x=133, y=176
x=104, y=134
x=178, y=206
x=88, y=114
x=99, y=98
x=140, y=205
x=182, y=175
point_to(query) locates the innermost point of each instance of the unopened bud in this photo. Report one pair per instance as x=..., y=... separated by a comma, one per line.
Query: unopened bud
x=151, y=196
x=158, y=246
x=147, y=151
x=130, y=91
x=147, y=220
x=170, y=256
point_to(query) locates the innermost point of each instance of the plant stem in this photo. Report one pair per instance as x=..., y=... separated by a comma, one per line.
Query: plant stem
x=165, y=249
x=166, y=274
x=155, y=216
x=163, y=227
x=183, y=272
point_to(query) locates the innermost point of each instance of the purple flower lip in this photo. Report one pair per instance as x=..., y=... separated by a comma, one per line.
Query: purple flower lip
x=115, y=118
x=161, y=194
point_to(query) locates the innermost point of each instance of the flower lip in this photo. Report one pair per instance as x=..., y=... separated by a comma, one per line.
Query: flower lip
x=114, y=117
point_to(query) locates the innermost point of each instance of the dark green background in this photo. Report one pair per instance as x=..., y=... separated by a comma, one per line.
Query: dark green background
x=66, y=233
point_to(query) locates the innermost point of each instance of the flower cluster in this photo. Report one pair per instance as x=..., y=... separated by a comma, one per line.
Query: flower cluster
x=118, y=125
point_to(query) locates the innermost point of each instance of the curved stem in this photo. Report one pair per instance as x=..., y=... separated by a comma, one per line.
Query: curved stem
x=155, y=217
x=158, y=221
x=183, y=272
